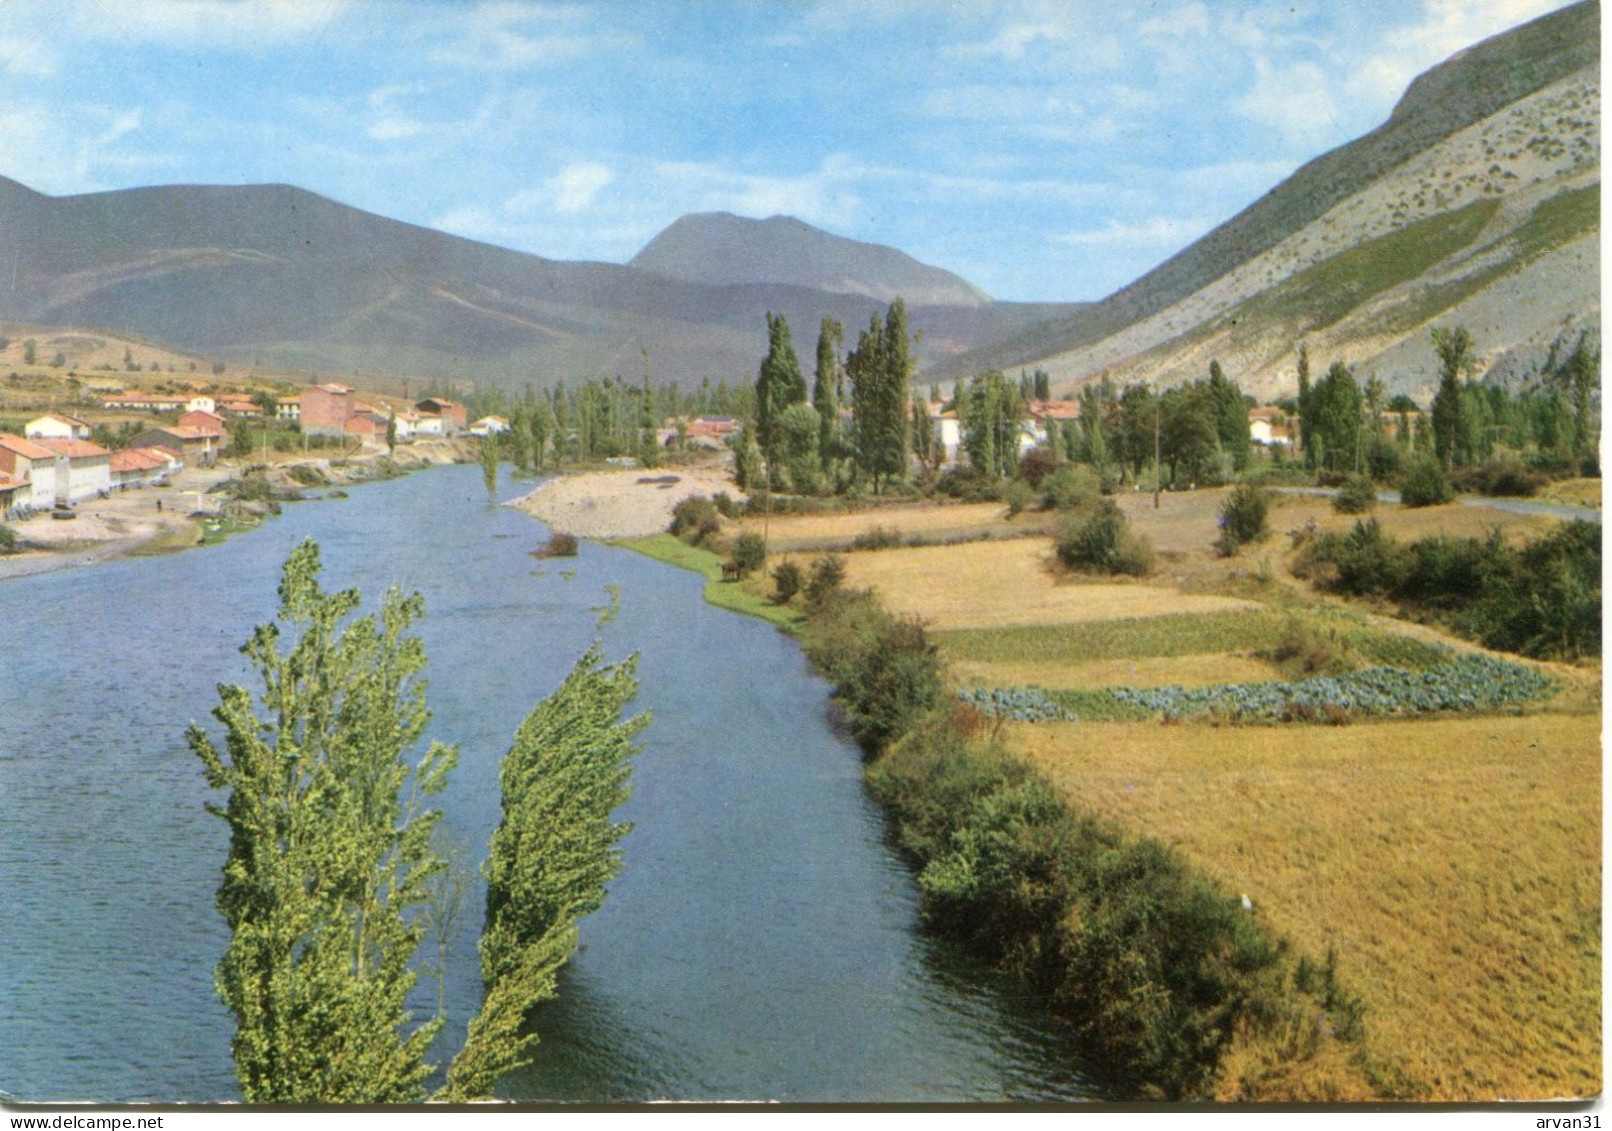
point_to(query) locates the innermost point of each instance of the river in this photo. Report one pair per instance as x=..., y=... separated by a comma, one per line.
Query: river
x=761, y=942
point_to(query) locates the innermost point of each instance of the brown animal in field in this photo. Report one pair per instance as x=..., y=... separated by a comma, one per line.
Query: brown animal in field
x=730, y=571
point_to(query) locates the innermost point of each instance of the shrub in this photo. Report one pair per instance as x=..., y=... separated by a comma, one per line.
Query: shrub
x=1242, y=518
x=1502, y=477
x=559, y=545
x=1017, y=495
x=1034, y=466
x=1103, y=542
x=1368, y=562
x=1357, y=496
x=786, y=579
x=970, y=485
x=878, y=538
x=8, y=540
x=826, y=577
x=725, y=505
x=1424, y=484
x=695, y=520
x=749, y=552
x=1070, y=488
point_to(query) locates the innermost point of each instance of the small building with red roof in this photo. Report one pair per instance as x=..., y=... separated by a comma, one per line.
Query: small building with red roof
x=88, y=470
x=24, y=460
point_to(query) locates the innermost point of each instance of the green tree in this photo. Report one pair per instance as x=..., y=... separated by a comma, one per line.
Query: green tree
x=30, y=352
x=1582, y=377
x=1305, y=409
x=1335, y=436
x=1230, y=414
x=551, y=857
x=330, y=848
x=391, y=433
x=879, y=371
x=489, y=462
x=779, y=385
x=989, y=417
x=1454, y=349
x=828, y=389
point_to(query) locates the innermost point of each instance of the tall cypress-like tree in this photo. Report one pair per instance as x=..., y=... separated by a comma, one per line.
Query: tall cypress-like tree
x=779, y=384
x=826, y=389
x=879, y=371
x=327, y=858
x=1454, y=349
x=1231, y=417
x=552, y=855
x=1304, y=406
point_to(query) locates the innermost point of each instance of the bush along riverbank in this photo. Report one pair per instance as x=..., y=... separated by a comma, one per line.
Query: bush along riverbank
x=1174, y=989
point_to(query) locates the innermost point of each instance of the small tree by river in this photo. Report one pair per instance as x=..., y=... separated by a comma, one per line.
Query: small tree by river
x=333, y=876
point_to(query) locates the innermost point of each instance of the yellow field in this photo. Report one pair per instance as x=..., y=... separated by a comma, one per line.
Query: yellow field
x=989, y=584
x=1454, y=863
x=930, y=521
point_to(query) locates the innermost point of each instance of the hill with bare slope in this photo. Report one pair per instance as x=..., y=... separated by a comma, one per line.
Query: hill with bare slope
x=1477, y=203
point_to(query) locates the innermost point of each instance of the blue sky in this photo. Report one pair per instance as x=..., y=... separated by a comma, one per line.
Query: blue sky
x=1043, y=150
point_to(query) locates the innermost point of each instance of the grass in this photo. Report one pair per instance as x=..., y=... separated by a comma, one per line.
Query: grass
x=1454, y=863
x=739, y=597
x=1189, y=634
x=1321, y=295
x=927, y=522
x=1146, y=671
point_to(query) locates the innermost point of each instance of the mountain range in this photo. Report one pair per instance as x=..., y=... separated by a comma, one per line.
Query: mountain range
x=1477, y=203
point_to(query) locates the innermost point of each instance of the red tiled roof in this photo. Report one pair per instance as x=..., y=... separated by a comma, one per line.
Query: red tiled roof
x=75, y=449
x=28, y=449
x=7, y=483
x=1057, y=410
x=334, y=389
x=65, y=419
x=138, y=459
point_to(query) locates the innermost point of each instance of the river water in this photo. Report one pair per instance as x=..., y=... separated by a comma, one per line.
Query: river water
x=760, y=943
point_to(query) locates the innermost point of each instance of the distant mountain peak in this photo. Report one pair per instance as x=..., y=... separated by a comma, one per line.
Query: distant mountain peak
x=721, y=249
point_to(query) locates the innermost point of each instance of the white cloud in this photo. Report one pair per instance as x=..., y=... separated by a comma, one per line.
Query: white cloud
x=231, y=24
x=1294, y=100
x=575, y=186
x=506, y=36
x=1157, y=231
x=27, y=58
x=1186, y=22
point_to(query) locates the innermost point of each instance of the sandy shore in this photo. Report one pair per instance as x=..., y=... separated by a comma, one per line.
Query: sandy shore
x=621, y=504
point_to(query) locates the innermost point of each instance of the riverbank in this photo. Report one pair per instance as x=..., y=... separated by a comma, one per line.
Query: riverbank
x=631, y=503
x=160, y=520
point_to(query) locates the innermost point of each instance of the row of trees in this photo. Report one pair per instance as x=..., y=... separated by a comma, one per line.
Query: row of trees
x=334, y=874
x=801, y=442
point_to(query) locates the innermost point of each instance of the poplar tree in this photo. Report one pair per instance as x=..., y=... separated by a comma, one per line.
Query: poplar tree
x=879, y=371
x=779, y=384
x=1454, y=349
x=328, y=856
x=552, y=855
x=826, y=389
x=489, y=462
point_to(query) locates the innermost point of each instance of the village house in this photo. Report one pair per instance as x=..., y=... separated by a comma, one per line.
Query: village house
x=195, y=446
x=237, y=404
x=205, y=421
x=56, y=426
x=24, y=461
x=451, y=413
x=142, y=467
x=489, y=425
x=12, y=491
x=145, y=402
x=201, y=404
x=326, y=409
x=947, y=428
x=288, y=408
x=84, y=472
x=1269, y=426
x=710, y=431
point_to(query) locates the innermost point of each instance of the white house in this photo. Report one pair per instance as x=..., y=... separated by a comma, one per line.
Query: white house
x=202, y=404
x=56, y=426
x=489, y=425
x=83, y=473
x=21, y=458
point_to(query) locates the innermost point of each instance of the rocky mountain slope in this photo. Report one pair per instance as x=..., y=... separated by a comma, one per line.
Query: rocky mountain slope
x=278, y=276
x=1477, y=204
